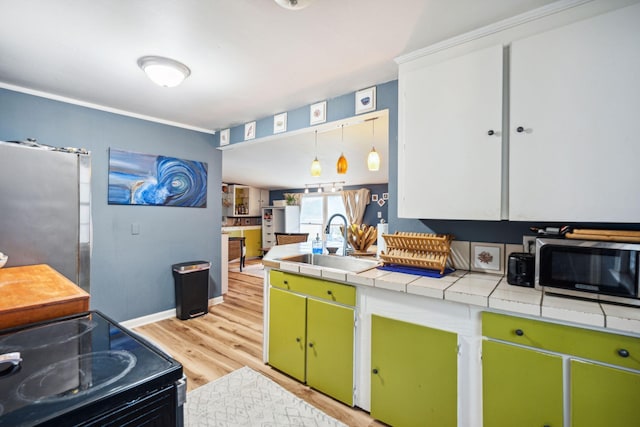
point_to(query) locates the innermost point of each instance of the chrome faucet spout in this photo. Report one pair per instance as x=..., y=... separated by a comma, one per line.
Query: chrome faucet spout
x=344, y=232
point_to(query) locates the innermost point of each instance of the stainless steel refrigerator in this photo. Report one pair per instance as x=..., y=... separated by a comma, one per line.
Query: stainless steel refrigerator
x=45, y=208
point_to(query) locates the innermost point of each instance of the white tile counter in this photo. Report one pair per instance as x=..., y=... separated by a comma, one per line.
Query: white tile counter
x=474, y=289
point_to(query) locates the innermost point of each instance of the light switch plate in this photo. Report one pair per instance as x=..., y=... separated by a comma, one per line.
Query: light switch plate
x=135, y=228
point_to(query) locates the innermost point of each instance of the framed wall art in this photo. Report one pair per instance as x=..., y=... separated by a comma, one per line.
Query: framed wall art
x=366, y=100
x=280, y=123
x=318, y=113
x=224, y=137
x=249, y=131
x=152, y=180
x=487, y=257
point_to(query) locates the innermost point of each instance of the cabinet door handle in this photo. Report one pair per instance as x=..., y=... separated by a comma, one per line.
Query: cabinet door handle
x=623, y=352
x=519, y=332
x=375, y=371
x=310, y=344
x=297, y=339
x=329, y=293
x=519, y=129
x=491, y=132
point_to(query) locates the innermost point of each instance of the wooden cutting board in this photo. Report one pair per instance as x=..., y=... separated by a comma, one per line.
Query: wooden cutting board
x=34, y=293
x=605, y=235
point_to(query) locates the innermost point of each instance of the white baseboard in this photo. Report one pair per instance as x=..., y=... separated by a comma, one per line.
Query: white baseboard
x=156, y=317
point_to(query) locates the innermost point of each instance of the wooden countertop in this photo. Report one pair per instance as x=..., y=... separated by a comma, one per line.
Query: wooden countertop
x=35, y=293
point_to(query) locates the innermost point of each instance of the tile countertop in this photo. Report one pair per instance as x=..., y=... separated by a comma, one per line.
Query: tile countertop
x=477, y=289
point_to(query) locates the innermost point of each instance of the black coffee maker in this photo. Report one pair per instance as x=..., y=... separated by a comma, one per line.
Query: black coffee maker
x=521, y=269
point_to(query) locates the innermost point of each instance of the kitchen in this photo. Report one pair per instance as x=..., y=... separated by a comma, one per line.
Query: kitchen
x=128, y=269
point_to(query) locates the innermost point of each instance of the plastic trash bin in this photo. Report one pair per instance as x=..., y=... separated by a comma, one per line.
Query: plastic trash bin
x=192, y=288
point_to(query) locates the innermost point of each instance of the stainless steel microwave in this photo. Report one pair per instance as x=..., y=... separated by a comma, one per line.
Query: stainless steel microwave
x=605, y=271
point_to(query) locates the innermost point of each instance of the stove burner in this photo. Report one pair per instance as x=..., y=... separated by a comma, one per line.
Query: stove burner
x=76, y=376
x=42, y=336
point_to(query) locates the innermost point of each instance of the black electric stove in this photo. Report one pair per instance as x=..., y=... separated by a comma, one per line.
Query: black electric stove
x=86, y=370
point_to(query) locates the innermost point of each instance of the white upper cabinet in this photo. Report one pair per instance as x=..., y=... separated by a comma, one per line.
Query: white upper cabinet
x=450, y=137
x=575, y=92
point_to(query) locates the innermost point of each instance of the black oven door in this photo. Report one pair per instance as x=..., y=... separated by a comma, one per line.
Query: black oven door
x=596, y=269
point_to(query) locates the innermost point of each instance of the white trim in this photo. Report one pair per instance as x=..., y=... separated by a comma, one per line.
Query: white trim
x=150, y=318
x=162, y=315
x=102, y=107
x=496, y=27
x=216, y=301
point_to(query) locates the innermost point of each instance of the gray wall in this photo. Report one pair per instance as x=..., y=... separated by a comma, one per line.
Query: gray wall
x=130, y=274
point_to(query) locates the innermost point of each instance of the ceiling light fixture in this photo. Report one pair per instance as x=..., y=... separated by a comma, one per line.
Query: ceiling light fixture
x=164, y=71
x=342, y=165
x=373, y=159
x=316, y=169
x=294, y=4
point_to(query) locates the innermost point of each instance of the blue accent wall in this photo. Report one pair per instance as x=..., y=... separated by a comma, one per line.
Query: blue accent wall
x=130, y=274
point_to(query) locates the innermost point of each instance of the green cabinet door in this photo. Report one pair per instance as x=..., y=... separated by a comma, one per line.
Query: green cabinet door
x=287, y=337
x=330, y=349
x=414, y=379
x=253, y=242
x=602, y=396
x=520, y=387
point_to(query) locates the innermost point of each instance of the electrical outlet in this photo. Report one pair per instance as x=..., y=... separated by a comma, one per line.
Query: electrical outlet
x=529, y=244
x=379, y=214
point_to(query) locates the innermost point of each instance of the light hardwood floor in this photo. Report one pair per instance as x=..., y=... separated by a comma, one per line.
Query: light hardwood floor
x=230, y=337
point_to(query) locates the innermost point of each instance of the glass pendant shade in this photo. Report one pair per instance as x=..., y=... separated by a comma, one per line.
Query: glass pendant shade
x=373, y=160
x=342, y=164
x=316, y=169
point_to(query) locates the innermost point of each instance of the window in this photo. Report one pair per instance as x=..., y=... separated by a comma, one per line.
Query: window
x=315, y=211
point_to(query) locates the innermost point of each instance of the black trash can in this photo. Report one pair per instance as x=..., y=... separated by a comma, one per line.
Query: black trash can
x=192, y=288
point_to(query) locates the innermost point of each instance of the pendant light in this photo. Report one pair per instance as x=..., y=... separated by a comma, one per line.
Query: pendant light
x=316, y=169
x=373, y=159
x=342, y=165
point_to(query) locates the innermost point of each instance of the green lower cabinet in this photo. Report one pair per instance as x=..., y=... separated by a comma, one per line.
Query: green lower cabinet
x=330, y=349
x=287, y=332
x=414, y=377
x=520, y=387
x=312, y=341
x=253, y=242
x=603, y=396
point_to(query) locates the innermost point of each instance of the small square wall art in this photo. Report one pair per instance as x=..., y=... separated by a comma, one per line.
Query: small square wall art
x=318, y=113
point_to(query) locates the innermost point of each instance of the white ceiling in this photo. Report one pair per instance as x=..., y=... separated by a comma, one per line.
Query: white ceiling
x=249, y=59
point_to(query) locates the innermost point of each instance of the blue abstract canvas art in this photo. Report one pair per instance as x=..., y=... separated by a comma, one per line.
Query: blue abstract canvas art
x=146, y=179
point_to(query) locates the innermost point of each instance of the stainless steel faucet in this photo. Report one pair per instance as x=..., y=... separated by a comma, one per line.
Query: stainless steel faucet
x=344, y=232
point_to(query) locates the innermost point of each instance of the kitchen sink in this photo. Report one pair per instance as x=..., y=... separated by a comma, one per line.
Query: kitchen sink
x=345, y=263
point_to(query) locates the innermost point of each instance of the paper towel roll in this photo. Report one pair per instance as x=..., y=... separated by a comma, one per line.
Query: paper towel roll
x=382, y=245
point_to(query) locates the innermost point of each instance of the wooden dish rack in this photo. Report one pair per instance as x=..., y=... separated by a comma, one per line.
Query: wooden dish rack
x=423, y=250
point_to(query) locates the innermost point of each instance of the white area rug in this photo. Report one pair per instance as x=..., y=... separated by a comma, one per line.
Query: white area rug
x=246, y=398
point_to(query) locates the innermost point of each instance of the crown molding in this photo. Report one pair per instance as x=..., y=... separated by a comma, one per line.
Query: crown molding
x=496, y=27
x=101, y=107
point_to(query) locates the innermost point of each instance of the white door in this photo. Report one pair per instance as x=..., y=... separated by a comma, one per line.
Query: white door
x=575, y=94
x=450, y=144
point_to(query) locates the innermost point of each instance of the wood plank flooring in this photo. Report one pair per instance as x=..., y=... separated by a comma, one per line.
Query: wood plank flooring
x=229, y=337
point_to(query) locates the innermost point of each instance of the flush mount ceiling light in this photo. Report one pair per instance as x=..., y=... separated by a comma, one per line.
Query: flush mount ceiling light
x=373, y=159
x=164, y=71
x=294, y=4
x=316, y=169
x=342, y=165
